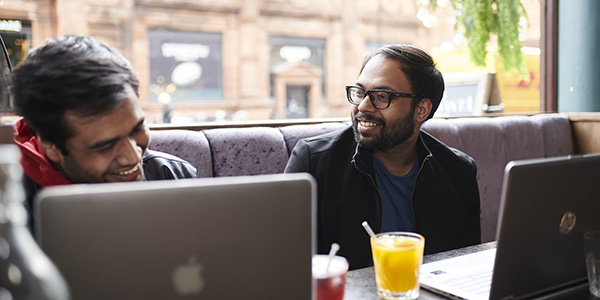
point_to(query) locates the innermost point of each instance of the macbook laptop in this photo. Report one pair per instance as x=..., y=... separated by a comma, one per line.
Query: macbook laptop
x=547, y=204
x=213, y=238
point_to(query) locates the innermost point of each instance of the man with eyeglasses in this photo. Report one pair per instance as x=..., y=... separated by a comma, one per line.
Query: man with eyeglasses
x=384, y=169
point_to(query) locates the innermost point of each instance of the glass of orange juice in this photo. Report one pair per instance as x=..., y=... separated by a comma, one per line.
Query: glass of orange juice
x=397, y=257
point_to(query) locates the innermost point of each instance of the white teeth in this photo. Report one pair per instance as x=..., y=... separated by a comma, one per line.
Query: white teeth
x=129, y=171
x=368, y=124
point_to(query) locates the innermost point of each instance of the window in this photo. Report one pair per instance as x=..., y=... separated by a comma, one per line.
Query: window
x=16, y=35
x=278, y=59
x=185, y=66
x=286, y=50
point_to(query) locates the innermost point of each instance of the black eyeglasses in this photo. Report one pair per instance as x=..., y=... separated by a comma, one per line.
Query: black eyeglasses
x=379, y=98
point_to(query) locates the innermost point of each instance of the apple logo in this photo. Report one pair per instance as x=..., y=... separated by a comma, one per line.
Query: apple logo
x=187, y=278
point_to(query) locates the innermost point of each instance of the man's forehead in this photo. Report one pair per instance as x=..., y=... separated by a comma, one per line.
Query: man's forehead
x=85, y=117
x=378, y=60
x=383, y=72
x=107, y=123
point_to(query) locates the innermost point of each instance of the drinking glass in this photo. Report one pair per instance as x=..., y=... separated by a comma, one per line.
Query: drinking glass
x=330, y=277
x=591, y=240
x=397, y=257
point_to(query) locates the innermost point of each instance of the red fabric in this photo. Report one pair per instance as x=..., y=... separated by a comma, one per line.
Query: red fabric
x=33, y=159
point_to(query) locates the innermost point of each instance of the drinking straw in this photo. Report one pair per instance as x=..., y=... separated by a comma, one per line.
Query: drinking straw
x=365, y=224
x=334, y=249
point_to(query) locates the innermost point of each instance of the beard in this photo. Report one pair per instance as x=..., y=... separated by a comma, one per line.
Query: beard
x=390, y=135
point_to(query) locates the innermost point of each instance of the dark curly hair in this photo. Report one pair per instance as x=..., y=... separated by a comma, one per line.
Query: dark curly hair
x=71, y=73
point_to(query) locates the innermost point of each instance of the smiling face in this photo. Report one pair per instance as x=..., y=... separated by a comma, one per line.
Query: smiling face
x=106, y=147
x=384, y=129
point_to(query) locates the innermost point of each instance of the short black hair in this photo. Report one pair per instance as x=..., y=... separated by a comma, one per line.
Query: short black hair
x=420, y=69
x=71, y=73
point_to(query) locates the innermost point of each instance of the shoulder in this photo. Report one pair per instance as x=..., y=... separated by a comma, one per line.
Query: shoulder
x=160, y=165
x=328, y=149
x=157, y=156
x=328, y=141
x=446, y=154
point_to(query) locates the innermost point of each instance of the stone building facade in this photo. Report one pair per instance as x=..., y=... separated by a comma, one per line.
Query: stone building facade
x=201, y=60
x=243, y=59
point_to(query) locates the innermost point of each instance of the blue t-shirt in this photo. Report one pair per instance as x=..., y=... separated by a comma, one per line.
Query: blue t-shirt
x=396, y=197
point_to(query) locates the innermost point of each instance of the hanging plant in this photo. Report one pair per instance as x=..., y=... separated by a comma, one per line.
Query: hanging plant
x=478, y=20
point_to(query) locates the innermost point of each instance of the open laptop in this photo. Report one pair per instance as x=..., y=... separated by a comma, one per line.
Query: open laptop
x=215, y=238
x=547, y=205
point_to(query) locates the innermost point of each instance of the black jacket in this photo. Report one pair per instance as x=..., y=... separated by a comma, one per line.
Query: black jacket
x=156, y=165
x=159, y=165
x=445, y=198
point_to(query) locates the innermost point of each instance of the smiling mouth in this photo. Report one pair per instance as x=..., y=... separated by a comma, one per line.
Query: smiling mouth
x=130, y=171
x=367, y=124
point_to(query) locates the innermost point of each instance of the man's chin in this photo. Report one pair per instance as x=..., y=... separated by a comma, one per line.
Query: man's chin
x=366, y=142
x=372, y=142
x=364, y=139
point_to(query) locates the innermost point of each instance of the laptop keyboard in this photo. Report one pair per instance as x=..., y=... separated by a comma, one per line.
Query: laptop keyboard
x=467, y=277
x=478, y=283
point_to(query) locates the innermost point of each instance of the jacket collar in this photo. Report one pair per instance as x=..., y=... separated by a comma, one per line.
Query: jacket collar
x=423, y=151
x=363, y=158
x=34, y=161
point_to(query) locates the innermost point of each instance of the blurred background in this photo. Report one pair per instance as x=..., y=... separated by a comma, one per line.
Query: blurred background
x=238, y=60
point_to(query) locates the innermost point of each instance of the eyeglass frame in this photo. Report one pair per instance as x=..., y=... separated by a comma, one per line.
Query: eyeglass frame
x=369, y=94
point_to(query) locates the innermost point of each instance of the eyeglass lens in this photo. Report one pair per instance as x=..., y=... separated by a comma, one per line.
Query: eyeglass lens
x=380, y=99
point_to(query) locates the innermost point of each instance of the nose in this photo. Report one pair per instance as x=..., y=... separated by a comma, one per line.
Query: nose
x=130, y=153
x=366, y=104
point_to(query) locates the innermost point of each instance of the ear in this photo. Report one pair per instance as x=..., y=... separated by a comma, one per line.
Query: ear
x=423, y=109
x=52, y=151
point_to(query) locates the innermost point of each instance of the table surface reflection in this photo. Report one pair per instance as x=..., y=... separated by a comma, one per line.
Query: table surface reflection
x=360, y=283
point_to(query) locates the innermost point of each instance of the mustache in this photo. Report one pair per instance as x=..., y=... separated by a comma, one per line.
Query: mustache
x=369, y=118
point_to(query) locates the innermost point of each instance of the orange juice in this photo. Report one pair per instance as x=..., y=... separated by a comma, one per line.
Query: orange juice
x=397, y=258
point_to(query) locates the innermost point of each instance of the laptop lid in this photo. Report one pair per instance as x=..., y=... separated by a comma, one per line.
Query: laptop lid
x=214, y=238
x=547, y=205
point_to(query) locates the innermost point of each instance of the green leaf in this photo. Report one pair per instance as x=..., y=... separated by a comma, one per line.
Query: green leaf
x=480, y=19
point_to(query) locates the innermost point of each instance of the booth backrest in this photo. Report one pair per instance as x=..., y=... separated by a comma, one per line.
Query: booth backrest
x=491, y=141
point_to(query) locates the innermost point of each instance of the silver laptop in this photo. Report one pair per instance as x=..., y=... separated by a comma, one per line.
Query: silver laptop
x=214, y=238
x=546, y=206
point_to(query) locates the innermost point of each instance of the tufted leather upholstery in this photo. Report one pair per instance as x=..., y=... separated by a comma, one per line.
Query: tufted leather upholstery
x=491, y=141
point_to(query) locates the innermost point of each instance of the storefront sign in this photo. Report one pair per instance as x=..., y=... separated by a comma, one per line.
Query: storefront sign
x=185, y=52
x=10, y=25
x=295, y=53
